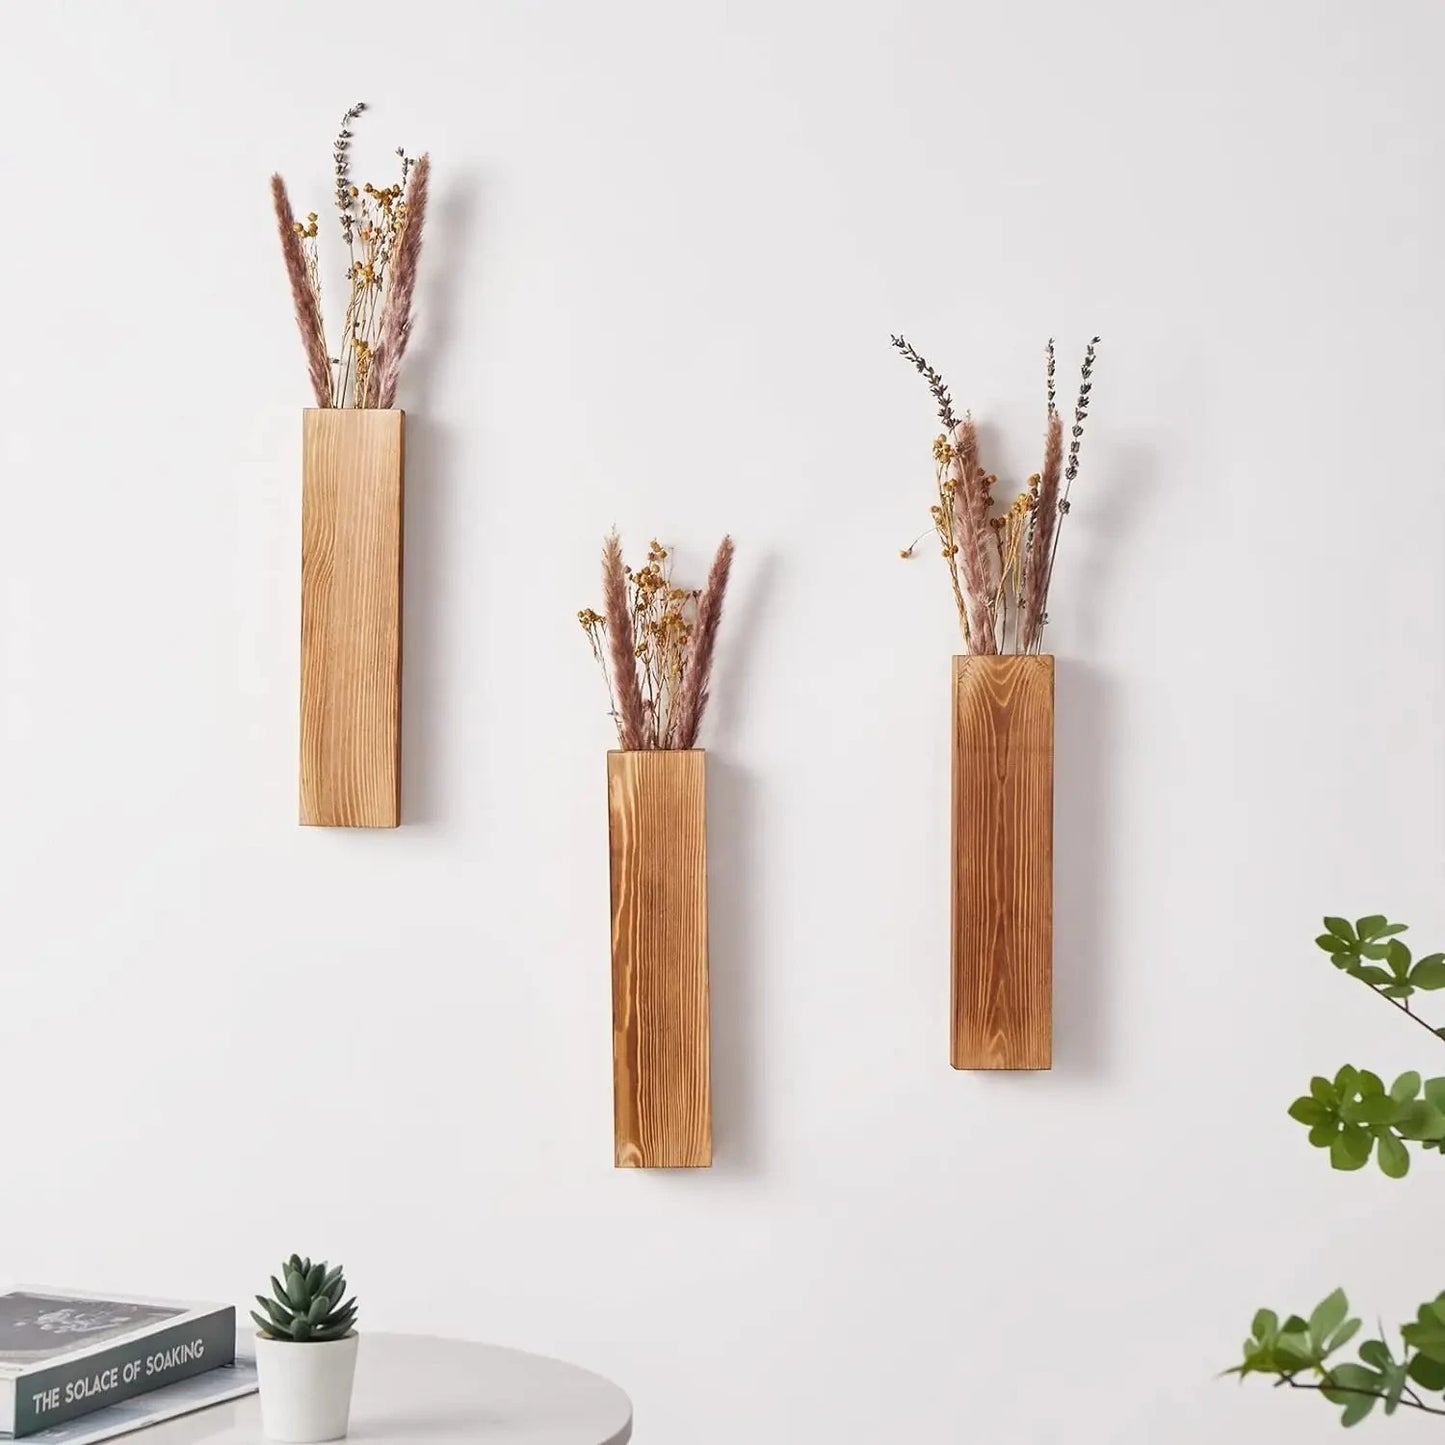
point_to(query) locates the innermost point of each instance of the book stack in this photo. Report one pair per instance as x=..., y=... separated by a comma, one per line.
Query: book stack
x=65, y=1355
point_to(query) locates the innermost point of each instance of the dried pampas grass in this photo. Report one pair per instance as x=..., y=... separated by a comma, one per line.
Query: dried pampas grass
x=305, y=297
x=395, y=329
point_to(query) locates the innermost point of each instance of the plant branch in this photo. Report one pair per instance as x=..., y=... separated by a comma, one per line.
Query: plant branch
x=1404, y=1009
x=1295, y=1384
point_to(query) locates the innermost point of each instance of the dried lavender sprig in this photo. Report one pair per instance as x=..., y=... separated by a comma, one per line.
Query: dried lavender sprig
x=1049, y=376
x=1071, y=470
x=693, y=702
x=936, y=384
x=395, y=328
x=1081, y=410
x=631, y=714
x=339, y=156
x=303, y=295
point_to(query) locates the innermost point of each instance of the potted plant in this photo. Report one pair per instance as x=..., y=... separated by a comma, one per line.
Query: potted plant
x=306, y=1353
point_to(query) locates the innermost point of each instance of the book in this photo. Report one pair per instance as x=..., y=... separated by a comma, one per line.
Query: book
x=228, y=1382
x=64, y=1354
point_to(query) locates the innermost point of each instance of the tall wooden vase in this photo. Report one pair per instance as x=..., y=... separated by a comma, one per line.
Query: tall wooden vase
x=1003, y=862
x=662, y=1090
x=351, y=510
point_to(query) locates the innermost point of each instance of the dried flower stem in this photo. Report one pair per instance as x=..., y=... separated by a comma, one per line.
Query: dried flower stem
x=655, y=643
x=1041, y=541
x=631, y=724
x=377, y=223
x=1076, y=436
x=693, y=702
x=970, y=528
x=305, y=298
x=395, y=325
x=1000, y=566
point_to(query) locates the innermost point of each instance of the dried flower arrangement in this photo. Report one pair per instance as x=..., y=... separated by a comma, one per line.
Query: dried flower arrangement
x=382, y=228
x=655, y=645
x=1001, y=564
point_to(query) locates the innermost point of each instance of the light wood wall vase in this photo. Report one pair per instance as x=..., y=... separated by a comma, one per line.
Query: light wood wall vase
x=351, y=618
x=1003, y=862
x=662, y=1091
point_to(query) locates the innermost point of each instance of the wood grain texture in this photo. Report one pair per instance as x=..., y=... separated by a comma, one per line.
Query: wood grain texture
x=1003, y=862
x=351, y=618
x=662, y=1089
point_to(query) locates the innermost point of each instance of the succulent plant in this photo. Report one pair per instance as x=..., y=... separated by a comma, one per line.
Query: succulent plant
x=305, y=1303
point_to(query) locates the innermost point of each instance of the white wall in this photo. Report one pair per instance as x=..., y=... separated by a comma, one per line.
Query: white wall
x=670, y=243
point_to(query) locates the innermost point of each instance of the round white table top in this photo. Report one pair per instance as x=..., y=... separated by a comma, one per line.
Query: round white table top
x=417, y=1390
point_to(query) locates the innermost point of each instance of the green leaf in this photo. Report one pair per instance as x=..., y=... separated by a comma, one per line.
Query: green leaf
x=1342, y=1336
x=1323, y=1134
x=1435, y=1092
x=296, y=1288
x=1372, y=926
x=1340, y=927
x=1406, y=1087
x=1395, y=1378
x=1328, y=1316
x=1265, y=1325
x=1308, y=1111
x=1420, y=1120
x=1375, y=977
x=1376, y=1353
x=1324, y=1091
x=1426, y=1334
x=1369, y=1083
x=1427, y=1372
x=1346, y=1080
x=1398, y=990
x=1353, y=1397
x=1398, y=957
x=1328, y=942
x=1373, y=1109
x=1350, y=1148
x=1429, y=973
x=1292, y=1352
x=1376, y=951
x=1393, y=1156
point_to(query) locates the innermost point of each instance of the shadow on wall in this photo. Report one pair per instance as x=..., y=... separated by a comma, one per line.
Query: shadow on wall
x=434, y=488
x=432, y=491
x=733, y=966
x=1083, y=857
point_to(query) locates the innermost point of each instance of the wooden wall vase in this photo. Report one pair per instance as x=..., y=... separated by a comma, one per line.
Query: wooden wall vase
x=351, y=618
x=1003, y=862
x=661, y=1083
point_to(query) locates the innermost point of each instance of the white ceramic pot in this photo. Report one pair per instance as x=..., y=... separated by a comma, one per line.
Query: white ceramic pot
x=305, y=1388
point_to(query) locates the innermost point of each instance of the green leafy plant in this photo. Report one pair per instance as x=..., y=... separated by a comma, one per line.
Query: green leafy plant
x=305, y=1304
x=1354, y=1116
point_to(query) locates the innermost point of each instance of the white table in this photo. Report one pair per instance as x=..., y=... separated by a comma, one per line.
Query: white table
x=415, y=1390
